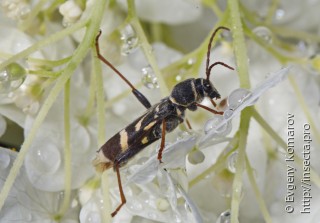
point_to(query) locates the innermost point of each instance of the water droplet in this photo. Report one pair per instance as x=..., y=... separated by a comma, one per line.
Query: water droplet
x=212, y=124
x=196, y=157
x=149, y=79
x=227, y=113
x=264, y=33
x=135, y=205
x=11, y=77
x=225, y=217
x=4, y=160
x=231, y=162
x=46, y=160
x=237, y=97
x=130, y=40
x=162, y=204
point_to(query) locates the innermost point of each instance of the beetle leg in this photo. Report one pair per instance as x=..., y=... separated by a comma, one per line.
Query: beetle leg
x=143, y=100
x=188, y=124
x=163, y=138
x=123, y=198
x=209, y=109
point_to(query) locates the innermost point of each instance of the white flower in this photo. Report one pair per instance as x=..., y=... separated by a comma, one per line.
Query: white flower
x=71, y=12
x=170, y=12
x=26, y=203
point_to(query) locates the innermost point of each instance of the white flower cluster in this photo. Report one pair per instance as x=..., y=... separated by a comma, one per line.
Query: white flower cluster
x=196, y=181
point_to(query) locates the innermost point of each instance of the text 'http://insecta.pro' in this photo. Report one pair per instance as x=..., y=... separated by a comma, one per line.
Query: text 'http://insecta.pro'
x=158, y=119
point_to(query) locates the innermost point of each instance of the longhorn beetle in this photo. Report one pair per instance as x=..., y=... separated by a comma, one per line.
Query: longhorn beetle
x=158, y=120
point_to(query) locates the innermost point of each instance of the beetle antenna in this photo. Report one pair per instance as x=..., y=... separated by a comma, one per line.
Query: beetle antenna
x=208, y=68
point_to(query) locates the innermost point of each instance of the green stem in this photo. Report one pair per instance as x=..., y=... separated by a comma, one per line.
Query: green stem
x=44, y=42
x=106, y=198
x=100, y=101
x=261, y=203
x=272, y=10
x=239, y=44
x=67, y=152
x=25, y=25
x=240, y=50
x=79, y=55
x=240, y=164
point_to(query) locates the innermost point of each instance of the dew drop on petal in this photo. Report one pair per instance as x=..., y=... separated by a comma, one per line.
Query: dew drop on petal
x=135, y=205
x=4, y=160
x=196, y=157
x=46, y=160
x=231, y=162
x=225, y=217
x=227, y=114
x=149, y=78
x=11, y=77
x=129, y=39
x=162, y=204
x=211, y=125
x=237, y=97
x=263, y=33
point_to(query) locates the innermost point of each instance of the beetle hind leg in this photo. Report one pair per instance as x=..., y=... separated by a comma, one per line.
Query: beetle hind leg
x=123, y=198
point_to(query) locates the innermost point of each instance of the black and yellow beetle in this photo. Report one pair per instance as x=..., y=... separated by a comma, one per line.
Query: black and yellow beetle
x=158, y=120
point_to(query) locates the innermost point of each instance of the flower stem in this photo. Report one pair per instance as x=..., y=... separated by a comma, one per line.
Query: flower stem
x=261, y=203
x=100, y=101
x=67, y=152
x=44, y=42
x=242, y=65
x=79, y=55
